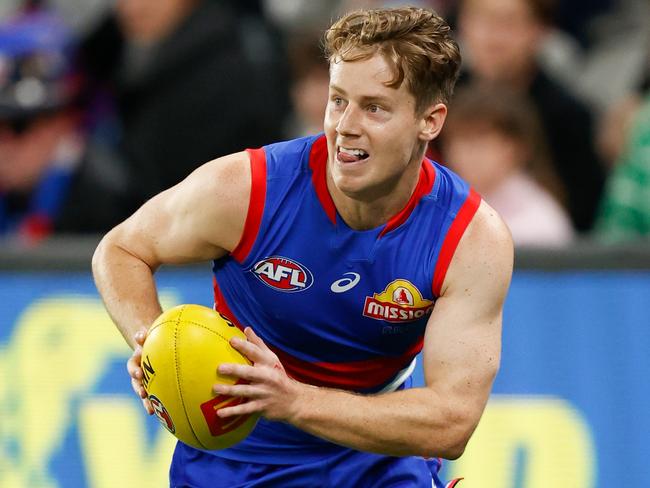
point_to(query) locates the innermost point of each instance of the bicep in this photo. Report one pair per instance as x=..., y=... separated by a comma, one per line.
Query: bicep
x=463, y=338
x=199, y=219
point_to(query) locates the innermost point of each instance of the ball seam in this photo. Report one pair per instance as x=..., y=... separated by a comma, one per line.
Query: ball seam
x=207, y=328
x=178, y=378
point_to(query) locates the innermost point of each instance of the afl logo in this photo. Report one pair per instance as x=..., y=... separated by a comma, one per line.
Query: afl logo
x=283, y=274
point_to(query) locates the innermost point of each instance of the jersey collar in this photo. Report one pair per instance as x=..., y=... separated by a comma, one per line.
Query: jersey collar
x=318, y=166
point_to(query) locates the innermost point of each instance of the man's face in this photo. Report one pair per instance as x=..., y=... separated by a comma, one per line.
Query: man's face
x=373, y=131
x=501, y=37
x=26, y=152
x=149, y=21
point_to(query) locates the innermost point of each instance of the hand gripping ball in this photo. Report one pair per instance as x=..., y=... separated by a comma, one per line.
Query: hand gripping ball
x=180, y=357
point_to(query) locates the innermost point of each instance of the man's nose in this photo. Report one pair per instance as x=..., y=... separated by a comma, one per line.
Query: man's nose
x=349, y=123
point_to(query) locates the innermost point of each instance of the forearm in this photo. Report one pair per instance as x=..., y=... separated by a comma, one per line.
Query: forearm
x=127, y=287
x=409, y=422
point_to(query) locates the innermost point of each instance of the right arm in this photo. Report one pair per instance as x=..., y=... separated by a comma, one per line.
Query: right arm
x=199, y=219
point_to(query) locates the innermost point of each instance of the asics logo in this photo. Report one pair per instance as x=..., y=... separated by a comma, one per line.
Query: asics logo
x=345, y=284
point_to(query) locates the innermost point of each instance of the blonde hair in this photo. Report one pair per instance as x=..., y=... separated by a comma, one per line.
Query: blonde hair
x=415, y=42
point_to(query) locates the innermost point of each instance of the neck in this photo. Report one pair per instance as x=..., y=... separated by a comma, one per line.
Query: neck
x=375, y=206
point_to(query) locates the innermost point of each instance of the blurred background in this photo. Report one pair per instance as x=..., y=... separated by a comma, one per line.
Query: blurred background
x=104, y=103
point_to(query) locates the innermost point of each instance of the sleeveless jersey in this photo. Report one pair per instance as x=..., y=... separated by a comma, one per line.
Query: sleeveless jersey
x=341, y=308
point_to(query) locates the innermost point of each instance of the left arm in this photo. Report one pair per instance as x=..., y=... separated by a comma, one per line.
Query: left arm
x=461, y=357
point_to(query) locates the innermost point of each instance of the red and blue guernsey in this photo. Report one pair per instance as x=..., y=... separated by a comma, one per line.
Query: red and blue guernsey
x=341, y=308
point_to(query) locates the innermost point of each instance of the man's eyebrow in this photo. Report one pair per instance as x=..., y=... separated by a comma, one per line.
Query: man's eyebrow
x=375, y=98
x=338, y=89
x=364, y=98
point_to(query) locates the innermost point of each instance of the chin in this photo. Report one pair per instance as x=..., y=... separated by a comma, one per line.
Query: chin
x=347, y=184
x=356, y=188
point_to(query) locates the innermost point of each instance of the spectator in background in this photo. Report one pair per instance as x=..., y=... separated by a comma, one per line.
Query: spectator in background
x=500, y=40
x=301, y=15
x=309, y=84
x=492, y=138
x=625, y=210
x=616, y=123
x=193, y=79
x=47, y=180
x=598, y=50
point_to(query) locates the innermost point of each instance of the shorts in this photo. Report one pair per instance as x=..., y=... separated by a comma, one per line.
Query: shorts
x=347, y=468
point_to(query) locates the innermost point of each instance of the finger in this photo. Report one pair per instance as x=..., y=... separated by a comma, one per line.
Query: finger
x=134, y=371
x=147, y=406
x=243, y=371
x=140, y=336
x=248, y=349
x=133, y=364
x=241, y=409
x=138, y=388
x=137, y=352
x=266, y=354
x=255, y=339
x=245, y=391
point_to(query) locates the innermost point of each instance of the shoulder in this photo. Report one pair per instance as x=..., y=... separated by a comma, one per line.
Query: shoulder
x=226, y=180
x=199, y=219
x=215, y=197
x=487, y=235
x=484, y=256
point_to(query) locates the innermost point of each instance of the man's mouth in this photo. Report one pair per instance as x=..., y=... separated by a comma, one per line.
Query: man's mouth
x=350, y=154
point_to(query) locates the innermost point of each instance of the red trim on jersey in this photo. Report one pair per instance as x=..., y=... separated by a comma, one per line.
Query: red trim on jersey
x=255, y=206
x=455, y=232
x=354, y=375
x=318, y=166
x=423, y=187
x=454, y=482
x=221, y=306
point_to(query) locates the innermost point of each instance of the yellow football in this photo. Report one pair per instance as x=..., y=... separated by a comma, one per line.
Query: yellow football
x=180, y=357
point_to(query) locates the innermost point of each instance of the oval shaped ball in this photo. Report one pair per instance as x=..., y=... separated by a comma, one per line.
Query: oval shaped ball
x=180, y=357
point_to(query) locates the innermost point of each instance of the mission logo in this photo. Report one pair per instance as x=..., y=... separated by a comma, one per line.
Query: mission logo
x=283, y=274
x=400, y=302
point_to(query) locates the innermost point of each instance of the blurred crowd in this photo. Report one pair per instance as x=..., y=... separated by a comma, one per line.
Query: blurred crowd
x=105, y=103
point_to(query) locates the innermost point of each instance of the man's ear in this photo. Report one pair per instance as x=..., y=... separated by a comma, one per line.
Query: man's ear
x=432, y=120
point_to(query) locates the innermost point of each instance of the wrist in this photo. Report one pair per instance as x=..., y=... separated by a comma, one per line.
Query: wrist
x=301, y=399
